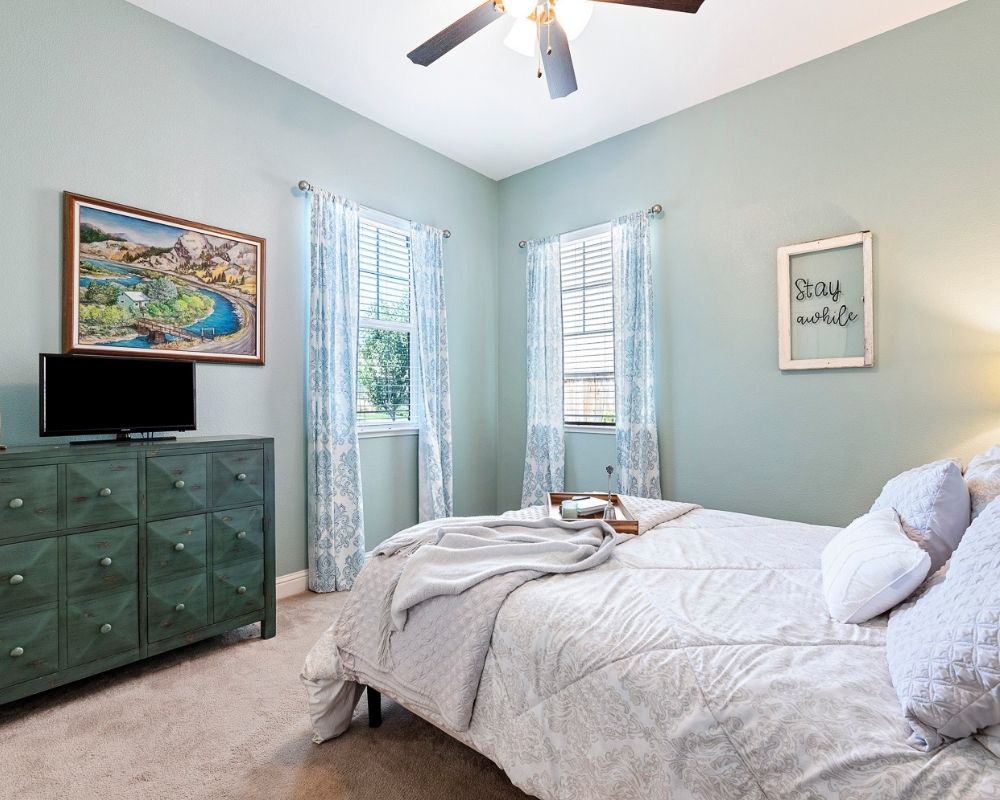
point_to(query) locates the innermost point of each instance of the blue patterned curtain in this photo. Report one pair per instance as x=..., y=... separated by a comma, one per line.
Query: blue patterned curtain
x=544, y=461
x=635, y=426
x=336, y=528
x=431, y=386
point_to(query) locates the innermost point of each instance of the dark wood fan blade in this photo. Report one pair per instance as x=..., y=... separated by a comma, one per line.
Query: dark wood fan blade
x=557, y=64
x=687, y=6
x=456, y=33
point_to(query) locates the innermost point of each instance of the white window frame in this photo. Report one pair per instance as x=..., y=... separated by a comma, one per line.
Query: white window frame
x=600, y=428
x=378, y=428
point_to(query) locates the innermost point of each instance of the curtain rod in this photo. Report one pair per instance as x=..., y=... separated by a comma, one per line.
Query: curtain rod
x=305, y=186
x=652, y=211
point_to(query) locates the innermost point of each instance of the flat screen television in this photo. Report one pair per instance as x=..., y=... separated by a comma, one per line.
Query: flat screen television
x=85, y=395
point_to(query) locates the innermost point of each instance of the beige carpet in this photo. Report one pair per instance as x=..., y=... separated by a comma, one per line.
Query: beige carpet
x=226, y=718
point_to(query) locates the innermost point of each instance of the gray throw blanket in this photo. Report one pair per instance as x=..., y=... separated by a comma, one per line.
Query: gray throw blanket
x=463, y=555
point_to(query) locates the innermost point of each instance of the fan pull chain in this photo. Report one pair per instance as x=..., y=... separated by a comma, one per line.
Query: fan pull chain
x=538, y=41
x=548, y=36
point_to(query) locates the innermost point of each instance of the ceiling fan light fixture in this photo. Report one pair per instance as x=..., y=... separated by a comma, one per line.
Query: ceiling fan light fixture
x=520, y=9
x=558, y=21
x=574, y=15
x=522, y=37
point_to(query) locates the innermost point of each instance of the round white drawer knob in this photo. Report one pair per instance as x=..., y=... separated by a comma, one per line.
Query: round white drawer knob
x=105, y=562
x=241, y=590
x=105, y=492
x=105, y=628
x=17, y=502
x=16, y=579
x=179, y=607
x=17, y=652
x=178, y=484
x=179, y=546
x=242, y=476
x=241, y=535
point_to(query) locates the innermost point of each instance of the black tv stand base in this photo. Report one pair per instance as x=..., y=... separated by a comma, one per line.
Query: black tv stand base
x=124, y=437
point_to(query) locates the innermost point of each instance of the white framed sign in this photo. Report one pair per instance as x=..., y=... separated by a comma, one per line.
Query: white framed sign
x=825, y=308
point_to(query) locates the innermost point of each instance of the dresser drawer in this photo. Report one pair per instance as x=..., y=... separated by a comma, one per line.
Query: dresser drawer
x=102, y=561
x=176, y=607
x=176, y=484
x=237, y=477
x=29, y=574
x=238, y=534
x=239, y=589
x=98, y=492
x=29, y=646
x=28, y=500
x=176, y=546
x=102, y=627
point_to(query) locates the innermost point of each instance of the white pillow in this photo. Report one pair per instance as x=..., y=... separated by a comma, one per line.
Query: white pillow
x=982, y=476
x=933, y=506
x=870, y=567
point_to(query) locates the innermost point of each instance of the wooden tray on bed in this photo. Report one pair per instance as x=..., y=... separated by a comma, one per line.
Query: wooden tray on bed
x=623, y=521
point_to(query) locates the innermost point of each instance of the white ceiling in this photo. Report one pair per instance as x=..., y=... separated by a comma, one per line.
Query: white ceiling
x=483, y=106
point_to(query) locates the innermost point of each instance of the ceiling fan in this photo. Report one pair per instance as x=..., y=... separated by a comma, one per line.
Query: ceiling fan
x=542, y=27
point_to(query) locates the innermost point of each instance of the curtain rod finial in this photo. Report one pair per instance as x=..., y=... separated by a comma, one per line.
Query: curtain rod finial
x=305, y=186
x=446, y=233
x=656, y=209
x=522, y=244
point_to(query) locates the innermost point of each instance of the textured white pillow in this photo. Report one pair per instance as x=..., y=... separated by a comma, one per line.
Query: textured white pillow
x=870, y=567
x=982, y=476
x=943, y=646
x=933, y=506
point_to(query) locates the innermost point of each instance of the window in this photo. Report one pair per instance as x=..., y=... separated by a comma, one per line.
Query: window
x=385, y=355
x=588, y=327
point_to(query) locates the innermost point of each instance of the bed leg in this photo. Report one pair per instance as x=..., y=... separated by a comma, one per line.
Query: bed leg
x=374, y=708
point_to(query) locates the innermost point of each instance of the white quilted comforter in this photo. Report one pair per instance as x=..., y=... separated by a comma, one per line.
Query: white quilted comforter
x=699, y=662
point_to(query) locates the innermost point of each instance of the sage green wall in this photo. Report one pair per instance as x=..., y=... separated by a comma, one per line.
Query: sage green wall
x=899, y=134
x=587, y=453
x=104, y=99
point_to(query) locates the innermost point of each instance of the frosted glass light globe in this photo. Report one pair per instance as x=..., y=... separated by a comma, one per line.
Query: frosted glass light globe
x=574, y=15
x=522, y=38
x=520, y=9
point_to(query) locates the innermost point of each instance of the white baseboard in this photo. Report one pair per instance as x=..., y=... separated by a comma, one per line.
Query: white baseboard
x=293, y=583
x=297, y=582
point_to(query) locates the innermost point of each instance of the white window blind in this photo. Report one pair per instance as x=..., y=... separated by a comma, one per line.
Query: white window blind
x=385, y=354
x=588, y=327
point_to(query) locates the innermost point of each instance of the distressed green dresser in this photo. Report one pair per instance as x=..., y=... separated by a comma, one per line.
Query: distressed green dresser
x=110, y=553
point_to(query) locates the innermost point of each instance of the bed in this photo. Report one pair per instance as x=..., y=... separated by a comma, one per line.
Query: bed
x=698, y=662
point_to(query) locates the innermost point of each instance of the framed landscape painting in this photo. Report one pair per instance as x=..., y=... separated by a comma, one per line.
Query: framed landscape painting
x=140, y=283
